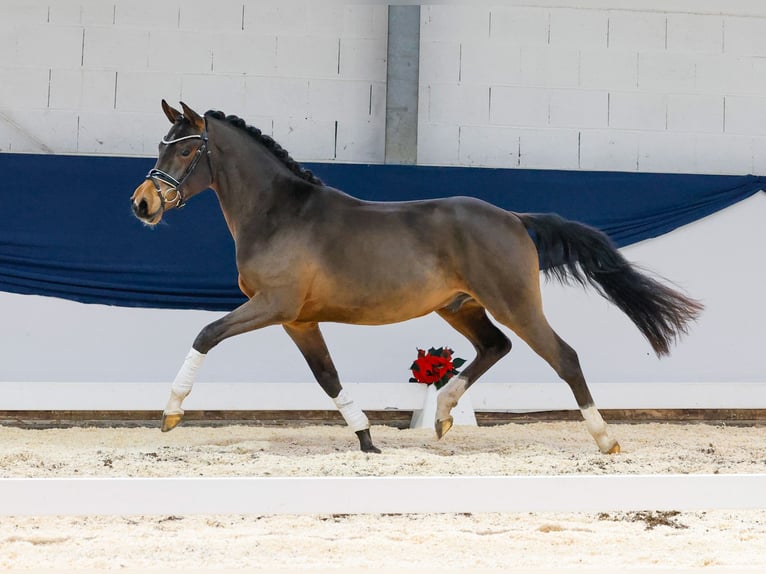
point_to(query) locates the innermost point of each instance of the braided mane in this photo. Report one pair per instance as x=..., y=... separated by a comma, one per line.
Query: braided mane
x=268, y=142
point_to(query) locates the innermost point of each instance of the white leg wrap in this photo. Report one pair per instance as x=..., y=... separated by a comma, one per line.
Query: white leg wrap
x=182, y=385
x=597, y=428
x=448, y=397
x=352, y=414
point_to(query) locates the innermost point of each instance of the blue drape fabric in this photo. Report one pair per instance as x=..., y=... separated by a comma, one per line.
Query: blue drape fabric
x=66, y=227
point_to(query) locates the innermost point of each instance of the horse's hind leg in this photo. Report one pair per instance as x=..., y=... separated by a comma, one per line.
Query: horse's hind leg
x=491, y=345
x=531, y=325
x=523, y=314
x=309, y=340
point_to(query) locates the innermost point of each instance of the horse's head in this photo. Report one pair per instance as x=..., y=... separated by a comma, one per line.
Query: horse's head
x=180, y=171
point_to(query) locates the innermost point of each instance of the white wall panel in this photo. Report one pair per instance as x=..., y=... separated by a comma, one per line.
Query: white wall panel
x=695, y=33
x=81, y=89
x=578, y=28
x=695, y=113
x=120, y=48
x=612, y=69
x=655, y=67
x=609, y=150
x=252, y=59
x=637, y=31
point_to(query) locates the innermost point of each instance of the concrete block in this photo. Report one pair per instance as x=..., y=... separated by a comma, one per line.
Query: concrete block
x=579, y=28
x=521, y=25
x=695, y=113
x=665, y=152
x=243, y=53
x=178, y=51
x=490, y=62
x=552, y=66
x=579, y=109
x=439, y=61
x=224, y=15
x=612, y=69
x=39, y=131
x=609, y=150
x=457, y=103
x=142, y=91
x=726, y=74
x=276, y=97
x=453, y=22
x=745, y=115
x=549, y=149
x=306, y=139
x=25, y=12
x=631, y=31
x=307, y=56
x=306, y=18
x=745, y=36
x=121, y=133
x=332, y=100
x=489, y=146
x=724, y=154
x=24, y=88
x=81, y=12
x=83, y=89
x=123, y=48
x=165, y=14
x=637, y=111
x=49, y=46
x=667, y=72
x=214, y=91
x=361, y=140
x=363, y=58
x=438, y=144
x=695, y=33
x=518, y=106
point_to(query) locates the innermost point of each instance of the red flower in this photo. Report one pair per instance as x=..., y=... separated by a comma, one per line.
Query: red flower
x=434, y=367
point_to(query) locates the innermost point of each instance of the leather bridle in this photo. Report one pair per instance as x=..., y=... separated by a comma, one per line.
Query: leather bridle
x=173, y=195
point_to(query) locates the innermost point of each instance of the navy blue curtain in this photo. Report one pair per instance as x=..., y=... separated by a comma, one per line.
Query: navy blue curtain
x=66, y=228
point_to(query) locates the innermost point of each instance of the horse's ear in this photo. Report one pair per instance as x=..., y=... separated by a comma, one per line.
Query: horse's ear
x=193, y=117
x=171, y=113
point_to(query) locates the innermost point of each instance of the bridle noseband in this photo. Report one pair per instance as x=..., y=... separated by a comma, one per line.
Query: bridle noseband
x=174, y=193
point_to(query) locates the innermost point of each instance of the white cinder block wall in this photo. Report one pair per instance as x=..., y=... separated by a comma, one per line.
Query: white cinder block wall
x=87, y=76
x=646, y=88
x=649, y=87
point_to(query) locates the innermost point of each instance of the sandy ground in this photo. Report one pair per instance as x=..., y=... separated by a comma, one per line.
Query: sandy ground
x=713, y=541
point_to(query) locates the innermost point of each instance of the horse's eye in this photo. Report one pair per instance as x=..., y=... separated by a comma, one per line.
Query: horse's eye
x=185, y=152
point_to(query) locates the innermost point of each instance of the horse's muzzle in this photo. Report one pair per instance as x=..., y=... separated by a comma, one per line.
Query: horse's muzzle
x=146, y=205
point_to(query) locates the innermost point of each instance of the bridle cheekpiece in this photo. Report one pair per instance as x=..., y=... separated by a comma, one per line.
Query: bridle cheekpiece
x=174, y=193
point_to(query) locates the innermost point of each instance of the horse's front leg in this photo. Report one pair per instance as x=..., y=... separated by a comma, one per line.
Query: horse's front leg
x=262, y=310
x=309, y=340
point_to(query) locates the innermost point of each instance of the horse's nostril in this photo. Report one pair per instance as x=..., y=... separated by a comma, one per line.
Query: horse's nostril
x=142, y=208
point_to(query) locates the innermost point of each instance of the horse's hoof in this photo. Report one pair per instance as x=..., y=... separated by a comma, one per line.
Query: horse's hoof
x=365, y=442
x=443, y=426
x=171, y=421
x=615, y=449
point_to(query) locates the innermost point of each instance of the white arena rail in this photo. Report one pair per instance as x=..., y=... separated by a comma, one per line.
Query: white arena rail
x=362, y=495
x=487, y=397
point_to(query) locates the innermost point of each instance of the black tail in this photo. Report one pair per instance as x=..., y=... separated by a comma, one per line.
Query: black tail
x=571, y=251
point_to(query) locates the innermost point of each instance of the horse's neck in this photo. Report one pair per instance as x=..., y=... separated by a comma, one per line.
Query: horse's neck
x=244, y=177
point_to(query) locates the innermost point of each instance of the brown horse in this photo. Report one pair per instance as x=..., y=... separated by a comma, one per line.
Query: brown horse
x=308, y=253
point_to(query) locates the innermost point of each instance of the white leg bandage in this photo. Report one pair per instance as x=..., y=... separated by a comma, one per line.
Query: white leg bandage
x=352, y=414
x=448, y=397
x=597, y=428
x=182, y=385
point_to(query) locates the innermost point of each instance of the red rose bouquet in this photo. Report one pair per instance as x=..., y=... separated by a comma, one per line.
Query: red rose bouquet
x=435, y=367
